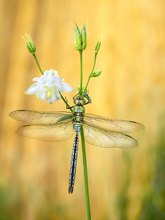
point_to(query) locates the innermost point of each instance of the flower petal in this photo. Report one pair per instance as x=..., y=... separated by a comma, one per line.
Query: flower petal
x=32, y=89
x=66, y=87
x=41, y=94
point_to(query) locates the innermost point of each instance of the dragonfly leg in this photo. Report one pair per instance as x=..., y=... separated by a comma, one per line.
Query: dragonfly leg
x=87, y=98
x=69, y=107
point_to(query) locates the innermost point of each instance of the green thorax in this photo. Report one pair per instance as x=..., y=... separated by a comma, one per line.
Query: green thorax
x=78, y=109
x=79, y=102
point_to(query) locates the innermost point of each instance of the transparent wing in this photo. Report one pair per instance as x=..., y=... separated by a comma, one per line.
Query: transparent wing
x=37, y=117
x=112, y=125
x=103, y=138
x=55, y=132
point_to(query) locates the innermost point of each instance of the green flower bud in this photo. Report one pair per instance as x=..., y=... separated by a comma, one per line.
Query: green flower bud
x=97, y=48
x=30, y=44
x=83, y=34
x=96, y=74
x=77, y=38
x=80, y=38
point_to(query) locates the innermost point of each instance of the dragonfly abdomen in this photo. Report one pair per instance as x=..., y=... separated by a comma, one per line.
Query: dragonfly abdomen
x=73, y=164
x=77, y=127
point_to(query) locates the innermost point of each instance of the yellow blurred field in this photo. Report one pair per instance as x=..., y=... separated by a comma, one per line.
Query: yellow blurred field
x=124, y=183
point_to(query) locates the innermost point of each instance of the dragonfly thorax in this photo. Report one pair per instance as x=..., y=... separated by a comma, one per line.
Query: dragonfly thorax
x=78, y=114
x=78, y=109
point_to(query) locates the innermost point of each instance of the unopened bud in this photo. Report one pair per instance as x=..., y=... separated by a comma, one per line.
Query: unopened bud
x=77, y=38
x=97, y=48
x=83, y=35
x=80, y=38
x=30, y=44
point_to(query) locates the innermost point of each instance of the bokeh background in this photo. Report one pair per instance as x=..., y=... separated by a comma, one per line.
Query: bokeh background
x=124, y=183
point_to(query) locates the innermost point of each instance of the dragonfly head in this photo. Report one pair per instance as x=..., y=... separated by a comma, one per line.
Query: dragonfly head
x=80, y=101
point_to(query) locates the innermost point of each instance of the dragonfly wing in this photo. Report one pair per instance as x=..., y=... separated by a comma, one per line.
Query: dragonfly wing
x=37, y=117
x=113, y=125
x=103, y=138
x=54, y=132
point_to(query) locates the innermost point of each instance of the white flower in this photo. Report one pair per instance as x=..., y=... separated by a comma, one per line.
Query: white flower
x=48, y=86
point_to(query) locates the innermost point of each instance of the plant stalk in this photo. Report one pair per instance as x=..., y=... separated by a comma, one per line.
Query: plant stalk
x=94, y=64
x=39, y=67
x=85, y=175
x=87, y=200
x=67, y=105
x=81, y=73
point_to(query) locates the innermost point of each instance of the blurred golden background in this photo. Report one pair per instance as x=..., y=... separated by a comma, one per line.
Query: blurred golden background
x=123, y=183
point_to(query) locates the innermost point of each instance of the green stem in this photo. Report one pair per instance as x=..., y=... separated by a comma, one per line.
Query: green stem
x=94, y=64
x=81, y=73
x=83, y=150
x=67, y=105
x=39, y=67
x=87, y=83
x=85, y=175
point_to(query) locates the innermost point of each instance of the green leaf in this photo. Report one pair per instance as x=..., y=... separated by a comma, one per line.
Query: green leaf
x=96, y=74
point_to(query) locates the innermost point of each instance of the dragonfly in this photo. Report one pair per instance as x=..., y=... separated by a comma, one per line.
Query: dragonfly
x=60, y=125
